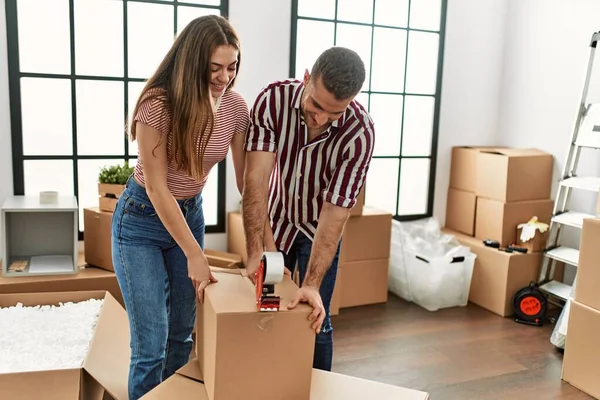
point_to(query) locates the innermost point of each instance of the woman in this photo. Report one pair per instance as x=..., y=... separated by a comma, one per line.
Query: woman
x=185, y=120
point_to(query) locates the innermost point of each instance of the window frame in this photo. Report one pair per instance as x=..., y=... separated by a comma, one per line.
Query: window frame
x=14, y=88
x=437, y=96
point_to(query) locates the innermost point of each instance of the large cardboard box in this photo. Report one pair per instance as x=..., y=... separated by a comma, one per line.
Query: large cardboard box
x=105, y=367
x=460, y=211
x=588, y=271
x=497, y=220
x=223, y=259
x=582, y=349
x=365, y=282
x=464, y=167
x=186, y=384
x=97, y=238
x=270, y=353
x=87, y=279
x=498, y=275
x=236, y=237
x=367, y=237
x=514, y=174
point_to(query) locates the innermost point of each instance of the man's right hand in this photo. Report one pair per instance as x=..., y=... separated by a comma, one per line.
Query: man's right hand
x=252, y=265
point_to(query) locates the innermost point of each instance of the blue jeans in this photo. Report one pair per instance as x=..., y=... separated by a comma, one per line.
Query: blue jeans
x=300, y=252
x=159, y=296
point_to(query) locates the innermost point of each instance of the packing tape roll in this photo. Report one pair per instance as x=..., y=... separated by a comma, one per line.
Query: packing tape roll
x=274, y=267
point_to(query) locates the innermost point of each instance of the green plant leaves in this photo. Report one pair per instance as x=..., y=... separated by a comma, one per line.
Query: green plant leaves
x=115, y=174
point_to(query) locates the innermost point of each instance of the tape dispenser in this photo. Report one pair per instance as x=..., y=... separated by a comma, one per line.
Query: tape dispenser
x=270, y=272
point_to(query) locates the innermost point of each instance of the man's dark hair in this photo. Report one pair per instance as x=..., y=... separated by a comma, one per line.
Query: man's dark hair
x=341, y=70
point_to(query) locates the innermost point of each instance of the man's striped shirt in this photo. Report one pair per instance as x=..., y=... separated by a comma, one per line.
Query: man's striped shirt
x=332, y=167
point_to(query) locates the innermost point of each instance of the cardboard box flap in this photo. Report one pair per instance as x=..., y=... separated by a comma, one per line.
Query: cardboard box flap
x=511, y=152
x=331, y=385
x=223, y=259
x=177, y=387
x=54, y=298
x=56, y=385
x=192, y=370
x=224, y=270
x=108, y=357
x=240, y=295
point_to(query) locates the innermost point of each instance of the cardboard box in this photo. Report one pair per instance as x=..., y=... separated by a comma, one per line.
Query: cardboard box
x=87, y=279
x=367, y=237
x=236, y=237
x=498, y=275
x=537, y=244
x=186, y=384
x=514, y=174
x=460, y=211
x=97, y=238
x=582, y=349
x=270, y=353
x=223, y=259
x=588, y=271
x=365, y=282
x=360, y=203
x=497, y=220
x=464, y=166
x=107, y=361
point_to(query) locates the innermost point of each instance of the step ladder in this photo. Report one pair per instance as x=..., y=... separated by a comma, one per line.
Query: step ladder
x=586, y=134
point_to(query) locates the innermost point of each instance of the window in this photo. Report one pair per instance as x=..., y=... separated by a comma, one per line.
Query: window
x=401, y=43
x=76, y=69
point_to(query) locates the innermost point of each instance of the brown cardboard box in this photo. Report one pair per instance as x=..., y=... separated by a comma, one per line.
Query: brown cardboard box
x=367, y=237
x=588, y=271
x=514, y=174
x=582, y=348
x=498, y=275
x=87, y=279
x=107, y=360
x=460, y=211
x=498, y=221
x=360, y=203
x=97, y=238
x=464, y=167
x=186, y=384
x=274, y=350
x=365, y=282
x=223, y=259
x=537, y=244
x=236, y=238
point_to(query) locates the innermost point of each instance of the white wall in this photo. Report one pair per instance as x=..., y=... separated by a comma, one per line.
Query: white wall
x=547, y=50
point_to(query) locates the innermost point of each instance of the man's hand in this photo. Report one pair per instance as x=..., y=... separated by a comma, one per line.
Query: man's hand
x=252, y=265
x=310, y=295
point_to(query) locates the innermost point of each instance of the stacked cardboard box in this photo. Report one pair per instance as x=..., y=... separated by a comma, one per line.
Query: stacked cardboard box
x=582, y=348
x=493, y=190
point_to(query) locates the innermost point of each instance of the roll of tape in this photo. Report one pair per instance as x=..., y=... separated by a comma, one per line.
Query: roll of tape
x=274, y=267
x=48, y=197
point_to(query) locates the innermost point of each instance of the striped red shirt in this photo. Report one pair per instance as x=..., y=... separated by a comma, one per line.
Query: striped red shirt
x=330, y=168
x=232, y=117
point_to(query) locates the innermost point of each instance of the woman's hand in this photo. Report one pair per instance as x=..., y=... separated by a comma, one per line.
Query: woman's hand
x=200, y=274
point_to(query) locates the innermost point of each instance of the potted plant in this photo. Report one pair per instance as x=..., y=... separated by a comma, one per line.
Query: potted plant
x=111, y=183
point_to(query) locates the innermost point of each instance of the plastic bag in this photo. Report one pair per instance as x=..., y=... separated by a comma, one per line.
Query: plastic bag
x=397, y=274
x=559, y=333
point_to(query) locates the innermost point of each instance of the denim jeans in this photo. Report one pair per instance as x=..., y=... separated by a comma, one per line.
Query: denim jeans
x=300, y=252
x=159, y=296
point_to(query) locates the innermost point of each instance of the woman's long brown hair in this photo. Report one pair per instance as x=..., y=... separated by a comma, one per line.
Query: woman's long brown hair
x=184, y=76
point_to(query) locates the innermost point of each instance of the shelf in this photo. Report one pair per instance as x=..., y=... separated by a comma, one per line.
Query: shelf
x=558, y=289
x=591, y=183
x=41, y=265
x=571, y=218
x=564, y=254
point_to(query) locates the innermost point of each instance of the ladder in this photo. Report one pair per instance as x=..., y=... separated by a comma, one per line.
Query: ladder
x=586, y=134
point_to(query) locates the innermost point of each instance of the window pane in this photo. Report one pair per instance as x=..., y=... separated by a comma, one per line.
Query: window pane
x=422, y=62
x=210, y=197
x=100, y=117
x=44, y=36
x=135, y=88
x=317, y=8
x=382, y=184
x=46, y=116
x=42, y=175
x=313, y=38
x=418, y=126
x=391, y=12
x=363, y=99
x=414, y=186
x=386, y=111
x=87, y=171
x=357, y=38
x=425, y=14
x=99, y=37
x=204, y=2
x=389, y=56
x=149, y=36
x=185, y=15
x=355, y=10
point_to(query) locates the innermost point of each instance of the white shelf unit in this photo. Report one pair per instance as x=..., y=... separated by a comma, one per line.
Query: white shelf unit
x=44, y=236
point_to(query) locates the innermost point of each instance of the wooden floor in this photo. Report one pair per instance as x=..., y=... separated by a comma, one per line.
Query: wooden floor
x=459, y=353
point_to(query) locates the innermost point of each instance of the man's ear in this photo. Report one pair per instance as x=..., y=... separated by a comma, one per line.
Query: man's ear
x=306, y=77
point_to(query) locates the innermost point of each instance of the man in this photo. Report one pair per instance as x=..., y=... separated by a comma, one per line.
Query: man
x=308, y=147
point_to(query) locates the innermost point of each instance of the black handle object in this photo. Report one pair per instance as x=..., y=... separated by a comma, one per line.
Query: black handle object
x=457, y=259
x=518, y=249
x=422, y=259
x=491, y=243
